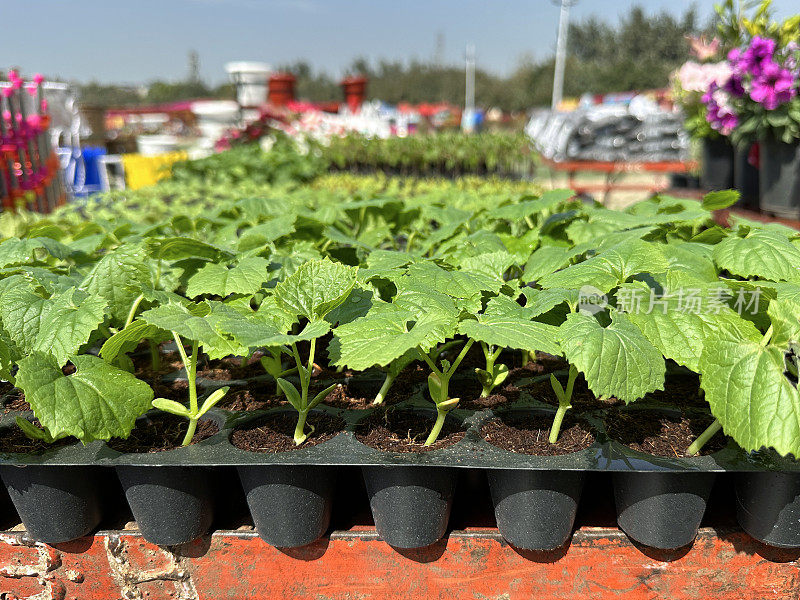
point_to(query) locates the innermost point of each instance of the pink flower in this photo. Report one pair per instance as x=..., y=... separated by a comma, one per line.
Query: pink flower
x=773, y=86
x=38, y=78
x=703, y=49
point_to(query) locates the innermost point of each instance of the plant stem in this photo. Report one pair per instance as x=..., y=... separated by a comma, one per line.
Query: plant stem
x=155, y=356
x=299, y=431
x=187, y=439
x=564, y=404
x=387, y=383
x=134, y=308
x=190, y=364
x=703, y=438
x=437, y=426
x=460, y=357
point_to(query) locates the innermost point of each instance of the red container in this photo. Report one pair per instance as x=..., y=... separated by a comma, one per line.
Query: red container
x=281, y=89
x=355, y=91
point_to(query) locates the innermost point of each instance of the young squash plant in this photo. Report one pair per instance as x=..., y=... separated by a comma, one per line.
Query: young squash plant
x=308, y=295
x=191, y=322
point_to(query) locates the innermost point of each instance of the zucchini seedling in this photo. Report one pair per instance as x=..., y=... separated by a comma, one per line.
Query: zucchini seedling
x=310, y=293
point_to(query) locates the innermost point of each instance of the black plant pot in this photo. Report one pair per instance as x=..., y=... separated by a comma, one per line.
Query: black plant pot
x=716, y=171
x=535, y=510
x=171, y=505
x=410, y=505
x=779, y=178
x=745, y=178
x=661, y=510
x=56, y=504
x=290, y=504
x=768, y=507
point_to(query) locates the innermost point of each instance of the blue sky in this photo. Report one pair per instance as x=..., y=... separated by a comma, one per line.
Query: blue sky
x=140, y=40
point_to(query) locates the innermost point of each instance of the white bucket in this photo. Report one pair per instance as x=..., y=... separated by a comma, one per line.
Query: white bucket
x=214, y=117
x=250, y=79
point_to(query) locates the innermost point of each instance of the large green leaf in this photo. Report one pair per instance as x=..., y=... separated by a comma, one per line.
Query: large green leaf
x=116, y=276
x=609, y=268
x=58, y=325
x=761, y=253
x=67, y=324
x=504, y=324
x=785, y=318
x=96, y=402
x=679, y=324
x=245, y=277
x=617, y=360
x=381, y=339
x=749, y=394
x=196, y=323
x=316, y=288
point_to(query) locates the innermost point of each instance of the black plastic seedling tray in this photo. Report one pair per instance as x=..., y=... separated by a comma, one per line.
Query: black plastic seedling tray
x=660, y=501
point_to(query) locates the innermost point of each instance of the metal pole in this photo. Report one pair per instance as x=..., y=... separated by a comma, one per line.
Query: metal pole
x=561, y=53
x=469, y=91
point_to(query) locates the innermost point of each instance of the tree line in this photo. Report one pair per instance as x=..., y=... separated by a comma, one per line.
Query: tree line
x=637, y=53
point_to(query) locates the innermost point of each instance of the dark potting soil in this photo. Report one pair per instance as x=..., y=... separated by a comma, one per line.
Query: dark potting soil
x=405, y=431
x=13, y=439
x=275, y=433
x=681, y=391
x=14, y=400
x=661, y=434
x=161, y=432
x=529, y=433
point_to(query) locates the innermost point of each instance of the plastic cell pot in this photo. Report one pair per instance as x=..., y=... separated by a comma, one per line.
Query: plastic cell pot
x=410, y=504
x=717, y=164
x=171, y=505
x=56, y=504
x=768, y=507
x=661, y=510
x=535, y=509
x=779, y=178
x=290, y=504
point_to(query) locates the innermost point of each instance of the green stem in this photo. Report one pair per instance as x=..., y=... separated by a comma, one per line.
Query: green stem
x=525, y=357
x=564, y=403
x=437, y=426
x=701, y=440
x=134, y=308
x=387, y=383
x=155, y=356
x=190, y=364
x=300, y=435
x=559, y=418
x=460, y=357
x=187, y=439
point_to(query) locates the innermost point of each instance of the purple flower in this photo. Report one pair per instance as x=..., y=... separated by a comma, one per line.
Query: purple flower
x=734, y=85
x=773, y=87
x=719, y=113
x=760, y=52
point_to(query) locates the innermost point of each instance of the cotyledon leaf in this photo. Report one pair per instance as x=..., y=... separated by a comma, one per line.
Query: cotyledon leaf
x=617, y=360
x=97, y=402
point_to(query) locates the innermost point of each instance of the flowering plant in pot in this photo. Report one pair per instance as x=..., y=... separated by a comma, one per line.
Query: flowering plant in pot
x=706, y=123
x=759, y=102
